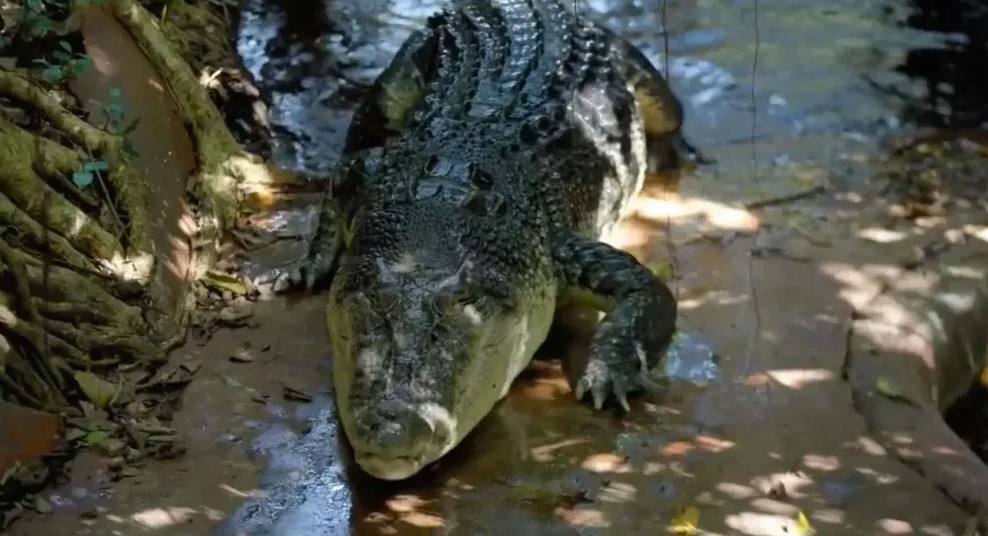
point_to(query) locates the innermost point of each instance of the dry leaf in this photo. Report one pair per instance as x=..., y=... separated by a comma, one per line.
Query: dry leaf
x=294, y=395
x=661, y=269
x=242, y=355
x=803, y=524
x=224, y=281
x=686, y=521
x=42, y=506
x=99, y=391
x=95, y=437
x=887, y=388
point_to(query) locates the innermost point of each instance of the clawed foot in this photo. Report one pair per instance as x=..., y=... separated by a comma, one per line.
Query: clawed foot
x=615, y=368
x=300, y=275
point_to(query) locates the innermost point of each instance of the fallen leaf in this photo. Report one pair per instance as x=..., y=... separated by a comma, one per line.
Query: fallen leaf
x=112, y=446
x=295, y=395
x=803, y=524
x=74, y=434
x=235, y=315
x=95, y=437
x=242, y=355
x=686, y=521
x=99, y=391
x=42, y=506
x=128, y=472
x=232, y=382
x=887, y=388
x=661, y=269
x=223, y=281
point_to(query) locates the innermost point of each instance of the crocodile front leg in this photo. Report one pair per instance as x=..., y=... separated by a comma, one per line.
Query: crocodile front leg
x=319, y=262
x=639, y=322
x=381, y=115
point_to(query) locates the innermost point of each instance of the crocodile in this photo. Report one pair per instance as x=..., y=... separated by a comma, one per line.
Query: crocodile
x=479, y=173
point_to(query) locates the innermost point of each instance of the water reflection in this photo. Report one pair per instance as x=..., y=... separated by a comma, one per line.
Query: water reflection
x=305, y=490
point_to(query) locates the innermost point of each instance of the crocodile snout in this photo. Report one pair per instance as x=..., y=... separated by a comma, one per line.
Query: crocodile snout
x=393, y=439
x=394, y=428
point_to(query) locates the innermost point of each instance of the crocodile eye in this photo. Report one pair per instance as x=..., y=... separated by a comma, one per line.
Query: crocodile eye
x=465, y=296
x=496, y=287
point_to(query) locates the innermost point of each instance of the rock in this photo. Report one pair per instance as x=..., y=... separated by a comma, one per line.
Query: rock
x=235, y=315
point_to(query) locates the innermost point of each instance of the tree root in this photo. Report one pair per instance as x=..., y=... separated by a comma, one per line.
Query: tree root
x=222, y=162
x=80, y=296
x=20, y=184
x=78, y=292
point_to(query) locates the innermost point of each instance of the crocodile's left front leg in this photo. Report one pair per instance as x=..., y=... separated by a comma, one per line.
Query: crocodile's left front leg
x=640, y=315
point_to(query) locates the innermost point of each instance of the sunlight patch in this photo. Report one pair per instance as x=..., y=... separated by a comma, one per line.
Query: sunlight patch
x=160, y=518
x=882, y=236
x=798, y=378
x=717, y=214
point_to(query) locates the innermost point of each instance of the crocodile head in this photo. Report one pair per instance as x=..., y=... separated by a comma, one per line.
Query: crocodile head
x=428, y=329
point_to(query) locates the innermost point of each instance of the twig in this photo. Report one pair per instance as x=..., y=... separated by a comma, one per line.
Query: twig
x=23, y=292
x=752, y=291
x=758, y=314
x=670, y=242
x=783, y=199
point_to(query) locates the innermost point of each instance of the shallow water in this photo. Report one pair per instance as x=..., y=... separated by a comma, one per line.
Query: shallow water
x=816, y=74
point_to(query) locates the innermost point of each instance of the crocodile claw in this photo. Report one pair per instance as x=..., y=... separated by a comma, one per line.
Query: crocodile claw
x=300, y=275
x=603, y=377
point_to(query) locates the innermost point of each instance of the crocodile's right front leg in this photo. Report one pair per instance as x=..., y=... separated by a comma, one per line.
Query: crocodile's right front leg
x=319, y=262
x=640, y=315
x=381, y=115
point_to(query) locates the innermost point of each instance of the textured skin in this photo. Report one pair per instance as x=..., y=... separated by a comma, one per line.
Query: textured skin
x=480, y=173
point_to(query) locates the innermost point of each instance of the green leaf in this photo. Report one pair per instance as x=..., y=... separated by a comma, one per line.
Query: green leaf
x=216, y=279
x=96, y=165
x=65, y=46
x=53, y=73
x=99, y=391
x=887, y=388
x=115, y=92
x=82, y=179
x=95, y=437
x=80, y=64
x=61, y=55
x=116, y=111
x=41, y=27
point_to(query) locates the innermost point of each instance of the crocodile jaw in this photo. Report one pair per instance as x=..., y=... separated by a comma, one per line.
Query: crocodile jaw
x=509, y=342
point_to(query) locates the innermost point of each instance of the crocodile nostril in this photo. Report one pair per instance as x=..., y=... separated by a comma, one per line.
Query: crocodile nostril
x=395, y=428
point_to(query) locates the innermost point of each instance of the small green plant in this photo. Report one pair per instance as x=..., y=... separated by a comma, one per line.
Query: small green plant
x=84, y=177
x=65, y=63
x=34, y=17
x=113, y=109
